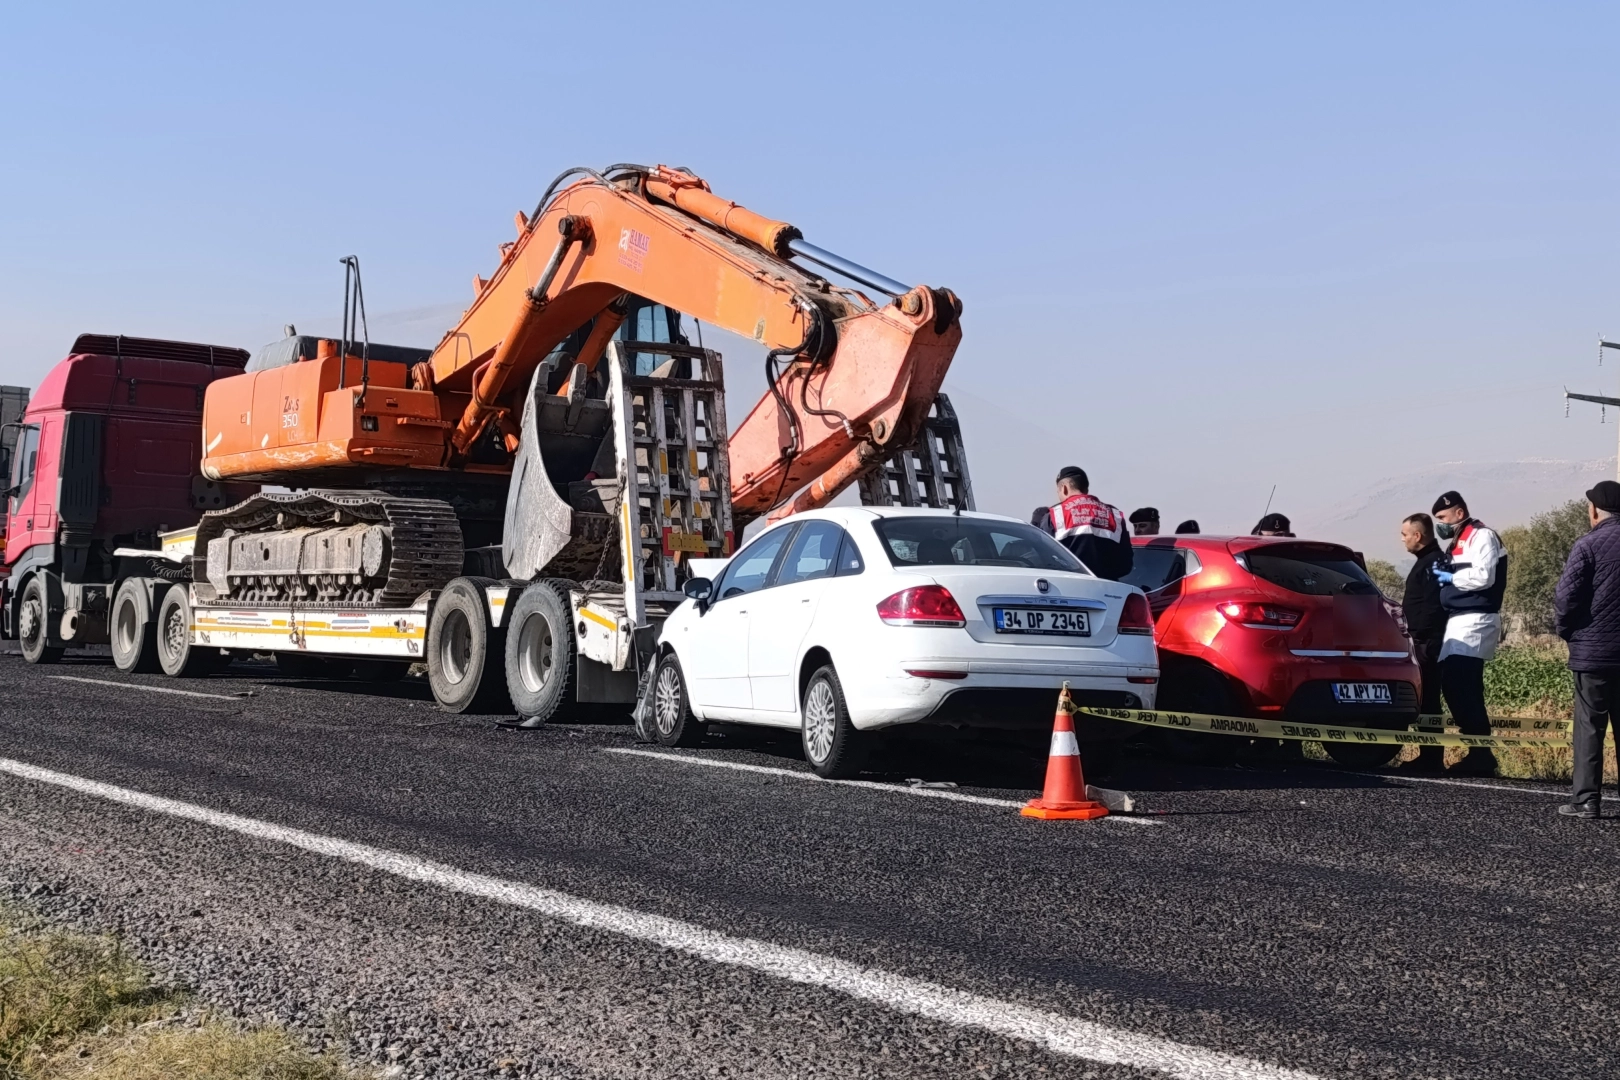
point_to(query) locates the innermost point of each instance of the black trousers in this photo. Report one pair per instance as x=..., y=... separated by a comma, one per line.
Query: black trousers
x=1463, y=680
x=1597, y=693
x=1428, y=658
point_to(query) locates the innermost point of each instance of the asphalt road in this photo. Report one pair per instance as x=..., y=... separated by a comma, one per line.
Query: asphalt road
x=446, y=898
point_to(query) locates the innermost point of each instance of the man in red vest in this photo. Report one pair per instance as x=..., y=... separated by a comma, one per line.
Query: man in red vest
x=1094, y=531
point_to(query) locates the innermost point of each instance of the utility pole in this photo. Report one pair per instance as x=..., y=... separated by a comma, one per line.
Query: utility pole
x=1597, y=399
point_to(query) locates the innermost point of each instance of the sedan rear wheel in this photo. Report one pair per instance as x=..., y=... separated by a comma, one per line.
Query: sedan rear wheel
x=832, y=745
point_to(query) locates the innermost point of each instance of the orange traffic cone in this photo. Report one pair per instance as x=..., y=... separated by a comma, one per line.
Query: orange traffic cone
x=1065, y=793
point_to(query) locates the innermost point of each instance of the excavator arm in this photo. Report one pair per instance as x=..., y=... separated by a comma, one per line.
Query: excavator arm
x=851, y=378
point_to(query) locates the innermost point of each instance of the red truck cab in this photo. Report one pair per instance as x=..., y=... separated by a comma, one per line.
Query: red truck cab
x=107, y=455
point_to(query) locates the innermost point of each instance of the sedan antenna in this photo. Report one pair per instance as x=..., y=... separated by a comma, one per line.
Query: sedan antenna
x=1273, y=495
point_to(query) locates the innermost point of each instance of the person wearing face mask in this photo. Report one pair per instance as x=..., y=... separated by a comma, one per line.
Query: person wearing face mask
x=1472, y=573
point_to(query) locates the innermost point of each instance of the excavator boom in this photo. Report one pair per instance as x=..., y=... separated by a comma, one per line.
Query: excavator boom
x=851, y=377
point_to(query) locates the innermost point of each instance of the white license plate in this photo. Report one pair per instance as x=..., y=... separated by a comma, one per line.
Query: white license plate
x=1361, y=693
x=1015, y=620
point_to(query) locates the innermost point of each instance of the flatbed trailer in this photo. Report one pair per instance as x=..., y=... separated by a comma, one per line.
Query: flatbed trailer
x=565, y=610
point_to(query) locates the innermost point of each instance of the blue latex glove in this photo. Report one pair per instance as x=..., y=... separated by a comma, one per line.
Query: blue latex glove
x=1444, y=576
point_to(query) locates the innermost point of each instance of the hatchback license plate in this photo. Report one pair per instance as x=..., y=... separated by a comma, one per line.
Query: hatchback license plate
x=1014, y=620
x=1361, y=693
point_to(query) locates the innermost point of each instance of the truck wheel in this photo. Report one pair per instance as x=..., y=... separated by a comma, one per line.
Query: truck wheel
x=540, y=653
x=33, y=624
x=134, y=631
x=177, y=656
x=381, y=671
x=464, y=651
x=673, y=721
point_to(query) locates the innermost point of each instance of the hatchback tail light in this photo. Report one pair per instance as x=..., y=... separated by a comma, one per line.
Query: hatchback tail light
x=1137, y=618
x=924, y=605
x=1261, y=616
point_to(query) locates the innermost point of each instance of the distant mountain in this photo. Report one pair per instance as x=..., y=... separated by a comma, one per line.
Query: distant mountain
x=1500, y=493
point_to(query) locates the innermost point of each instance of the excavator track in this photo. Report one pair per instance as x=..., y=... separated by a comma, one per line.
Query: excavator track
x=420, y=537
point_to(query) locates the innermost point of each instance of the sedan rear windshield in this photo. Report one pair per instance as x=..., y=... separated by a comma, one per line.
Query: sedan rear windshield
x=965, y=541
x=1312, y=569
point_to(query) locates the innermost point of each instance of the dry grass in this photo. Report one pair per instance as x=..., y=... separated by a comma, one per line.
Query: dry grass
x=212, y=1051
x=73, y=1006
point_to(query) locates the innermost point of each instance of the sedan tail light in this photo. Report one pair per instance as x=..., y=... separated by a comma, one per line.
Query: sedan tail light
x=924, y=605
x=1137, y=618
x=1261, y=616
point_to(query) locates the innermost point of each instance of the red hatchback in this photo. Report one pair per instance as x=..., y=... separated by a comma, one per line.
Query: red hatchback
x=1279, y=629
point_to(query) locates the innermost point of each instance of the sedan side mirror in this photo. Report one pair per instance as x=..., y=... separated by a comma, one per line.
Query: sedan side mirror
x=699, y=589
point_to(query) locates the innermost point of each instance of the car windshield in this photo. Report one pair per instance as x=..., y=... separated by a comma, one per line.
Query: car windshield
x=1312, y=569
x=964, y=541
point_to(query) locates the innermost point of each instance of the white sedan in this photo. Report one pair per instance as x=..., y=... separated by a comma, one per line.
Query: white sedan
x=849, y=619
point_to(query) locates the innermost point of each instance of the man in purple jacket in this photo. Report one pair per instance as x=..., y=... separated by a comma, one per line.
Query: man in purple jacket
x=1588, y=617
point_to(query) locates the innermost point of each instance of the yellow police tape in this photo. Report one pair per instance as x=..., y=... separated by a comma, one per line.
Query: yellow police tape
x=1501, y=723
x=1282, y=729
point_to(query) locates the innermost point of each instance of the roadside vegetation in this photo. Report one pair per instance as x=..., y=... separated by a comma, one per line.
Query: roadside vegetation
x=73, y=1006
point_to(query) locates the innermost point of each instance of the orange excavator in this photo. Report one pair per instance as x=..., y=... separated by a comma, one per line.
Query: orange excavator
x=522, y=505
x=853, y=372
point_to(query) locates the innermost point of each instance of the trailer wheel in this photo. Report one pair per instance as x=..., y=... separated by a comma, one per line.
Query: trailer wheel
x=134, y=631
x=540, y=653
x=464, y=651
x=177, y=656
x=33, y=624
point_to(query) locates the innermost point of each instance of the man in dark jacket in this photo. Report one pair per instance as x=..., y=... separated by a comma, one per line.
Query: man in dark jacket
x=1273, y=525
x=1426, y=624
x=1089, y=527
x=1587, y=611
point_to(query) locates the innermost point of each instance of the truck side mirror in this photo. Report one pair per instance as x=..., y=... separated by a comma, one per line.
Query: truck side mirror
x=699, y=589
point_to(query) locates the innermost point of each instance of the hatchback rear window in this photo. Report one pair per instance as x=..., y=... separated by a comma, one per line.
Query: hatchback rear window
x=965, y=541
x=1312, y=569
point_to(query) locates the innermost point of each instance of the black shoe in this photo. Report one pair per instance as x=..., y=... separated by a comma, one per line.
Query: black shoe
x=1476, y=763
x=1584, y=811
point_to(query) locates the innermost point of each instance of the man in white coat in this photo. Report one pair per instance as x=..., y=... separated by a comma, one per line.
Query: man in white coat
x=1473, y=577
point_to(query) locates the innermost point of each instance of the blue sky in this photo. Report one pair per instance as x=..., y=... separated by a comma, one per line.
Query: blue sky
x=1202, y=249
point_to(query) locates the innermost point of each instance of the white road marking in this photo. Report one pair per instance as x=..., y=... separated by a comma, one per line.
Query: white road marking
x=1063, y=1035
x=870, y=785
x=1454, y=783
x=150, y=689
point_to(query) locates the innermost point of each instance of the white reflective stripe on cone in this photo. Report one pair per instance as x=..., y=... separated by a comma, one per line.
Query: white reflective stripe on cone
x=1064, y=744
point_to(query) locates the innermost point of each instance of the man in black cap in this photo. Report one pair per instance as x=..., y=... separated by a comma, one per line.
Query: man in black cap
x=1472, y=572
x=1426, y=625
x=1089, y=527
x=1188, y=528
x=1587, y=610
x=1145, y=522
x=1273, y=525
